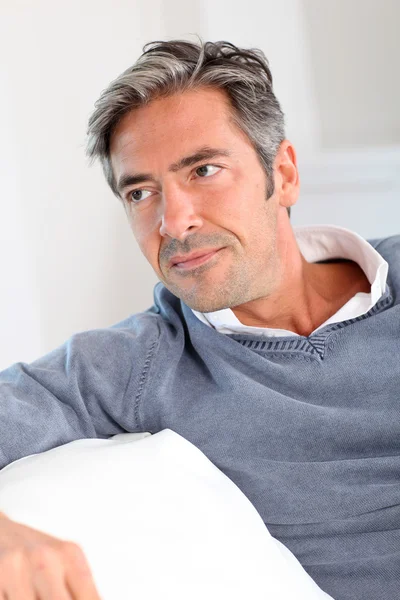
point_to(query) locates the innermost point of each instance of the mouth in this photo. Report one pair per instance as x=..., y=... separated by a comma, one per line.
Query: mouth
x=181, y=264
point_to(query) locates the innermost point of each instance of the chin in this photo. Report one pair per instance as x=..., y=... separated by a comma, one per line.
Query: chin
x=211, y=296
x=211, y=302
x=205, y=307
x=196, y=300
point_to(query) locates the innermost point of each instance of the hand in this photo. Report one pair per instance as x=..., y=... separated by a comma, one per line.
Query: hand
x=36, y=566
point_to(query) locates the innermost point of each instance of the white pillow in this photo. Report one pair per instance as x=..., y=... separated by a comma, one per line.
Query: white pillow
x=156, y=520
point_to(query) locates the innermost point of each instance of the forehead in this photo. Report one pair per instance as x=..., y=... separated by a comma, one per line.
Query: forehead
x=170, y=127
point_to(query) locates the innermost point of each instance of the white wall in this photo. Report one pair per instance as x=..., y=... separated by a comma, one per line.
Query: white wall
x=355, y=52
x=354, y=188
x=19, y=292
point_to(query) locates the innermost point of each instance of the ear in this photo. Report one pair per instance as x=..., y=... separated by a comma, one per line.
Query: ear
x=287, y=183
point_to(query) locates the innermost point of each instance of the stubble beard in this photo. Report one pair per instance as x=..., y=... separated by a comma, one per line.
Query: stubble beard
x=235, y=287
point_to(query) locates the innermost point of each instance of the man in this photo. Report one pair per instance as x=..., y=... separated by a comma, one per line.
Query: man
x=274, y=352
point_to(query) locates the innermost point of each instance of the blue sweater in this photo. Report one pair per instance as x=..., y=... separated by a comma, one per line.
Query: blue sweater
x=307, y=427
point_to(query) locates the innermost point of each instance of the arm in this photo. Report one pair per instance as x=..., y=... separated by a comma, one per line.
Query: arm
x=86, y=388
x=89, y=387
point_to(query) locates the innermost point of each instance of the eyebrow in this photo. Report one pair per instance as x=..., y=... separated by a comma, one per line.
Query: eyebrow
x=204, y=153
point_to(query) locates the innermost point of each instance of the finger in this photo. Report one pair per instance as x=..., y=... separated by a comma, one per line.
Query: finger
x=49, y=587
x=82, y=588
x=79, y=577
x=19, y=589
x=48, y=577
x=18, y=585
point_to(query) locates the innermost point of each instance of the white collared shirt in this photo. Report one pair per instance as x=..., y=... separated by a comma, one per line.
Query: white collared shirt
x=317, y=243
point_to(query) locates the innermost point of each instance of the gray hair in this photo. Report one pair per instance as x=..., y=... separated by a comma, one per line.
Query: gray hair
x=166, y=68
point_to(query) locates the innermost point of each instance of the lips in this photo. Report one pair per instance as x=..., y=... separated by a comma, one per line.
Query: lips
x=189, y=261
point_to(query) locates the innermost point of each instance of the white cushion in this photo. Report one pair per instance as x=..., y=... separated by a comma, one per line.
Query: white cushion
x=156, y=520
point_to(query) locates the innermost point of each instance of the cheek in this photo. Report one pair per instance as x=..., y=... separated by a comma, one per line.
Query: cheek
x=235, y=207
x=150, y=247
x=148, y=240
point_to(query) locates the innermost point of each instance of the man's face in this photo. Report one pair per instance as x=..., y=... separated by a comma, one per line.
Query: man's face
x=195, y=194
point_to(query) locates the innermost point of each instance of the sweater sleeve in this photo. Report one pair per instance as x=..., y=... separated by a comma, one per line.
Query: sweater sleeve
x=89, y=387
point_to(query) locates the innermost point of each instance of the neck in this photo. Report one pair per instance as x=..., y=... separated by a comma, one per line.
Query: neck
x=302, y=295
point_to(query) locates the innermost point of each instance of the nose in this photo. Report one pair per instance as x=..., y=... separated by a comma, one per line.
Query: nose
x=180, y=215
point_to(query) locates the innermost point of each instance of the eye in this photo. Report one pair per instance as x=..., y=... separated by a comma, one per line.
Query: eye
x=207, y=170
x=138, y=195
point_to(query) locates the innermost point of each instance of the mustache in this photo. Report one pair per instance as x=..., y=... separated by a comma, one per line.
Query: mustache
x=193, y=242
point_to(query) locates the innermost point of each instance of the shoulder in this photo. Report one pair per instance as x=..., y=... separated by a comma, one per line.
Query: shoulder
x=387, y=246
x=138, y=332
